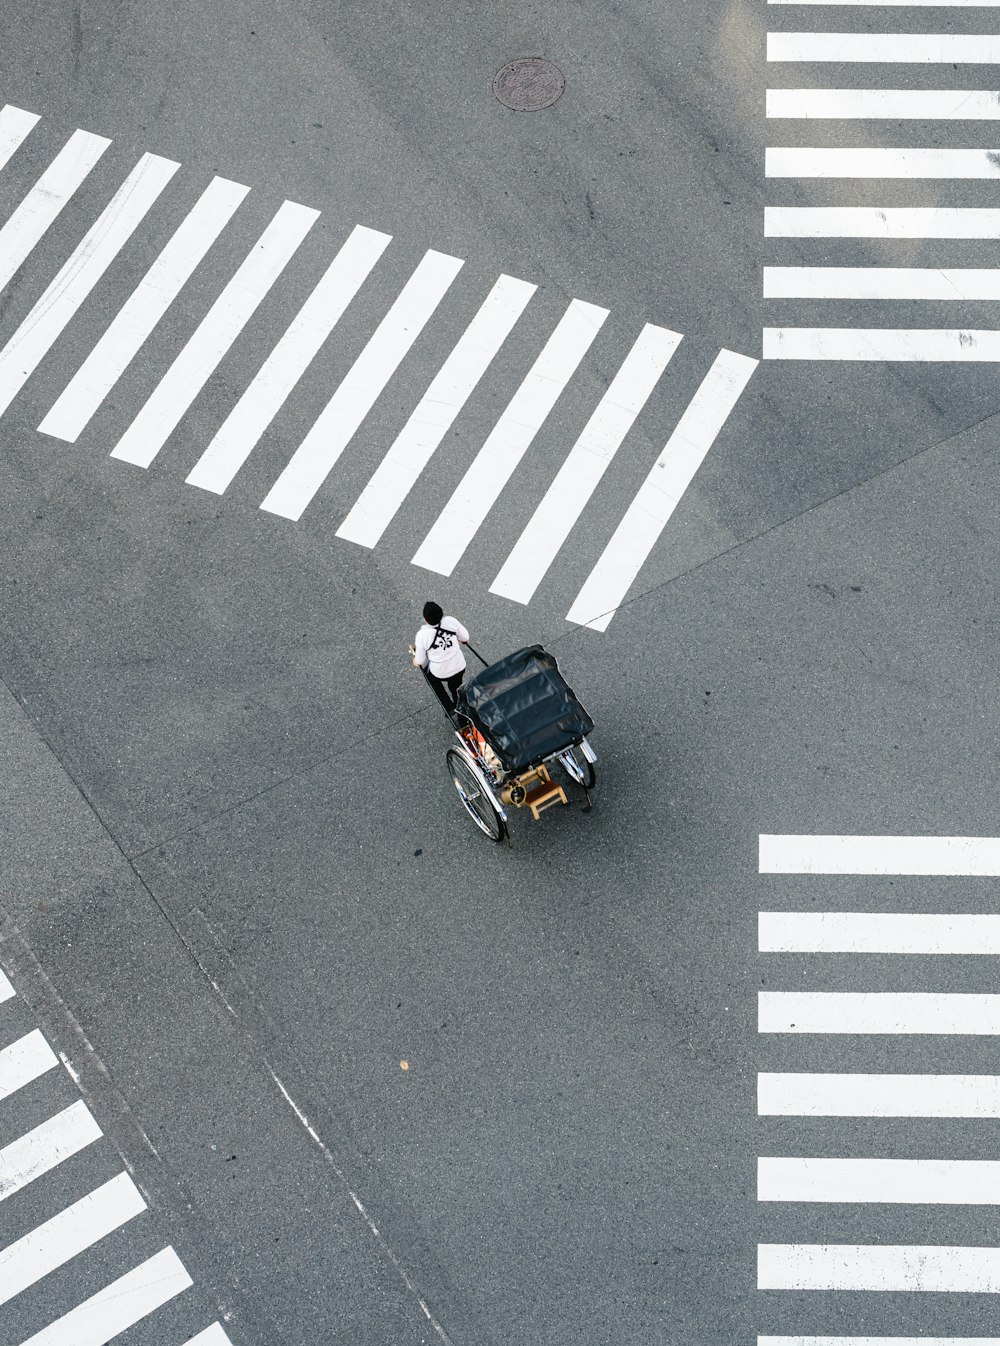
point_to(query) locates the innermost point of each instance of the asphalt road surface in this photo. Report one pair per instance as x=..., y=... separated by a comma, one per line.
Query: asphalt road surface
x=299, y=325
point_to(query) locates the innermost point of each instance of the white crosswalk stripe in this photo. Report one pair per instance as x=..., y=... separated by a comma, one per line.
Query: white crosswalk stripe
x=937, y=1175
x=586, y=463
x=806, y=88
x=116, y=224
x=450, y=389
x=510, y=439
x=15, y=124
x=257, y=408
x=46, y=199
x=658, y=496
x=147, y=304
x=24, y=1061
x=216, y=332
x=149, y=316
x=94, y=1226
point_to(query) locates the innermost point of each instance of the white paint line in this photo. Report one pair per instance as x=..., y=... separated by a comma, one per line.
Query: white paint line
x=90, y=259
x=67, y=1234
x=38, y=1151
x=815, y=1266
x=875, y=1341
x=585, y=465
x=510, y=439
x=46, y=199
x=909, y=48
x=119, y=1305
x=385, y=1247
x=882, y=4
x=914, y=1182
x=360, y=387
x=214, y=335
x=783, y=162
x=212, y=1336
x=880, y=282
x=396, y=475
x=885, y=104
x=881, y=343
x=24, y=1061
x=832, y=1095
x=805, y=854
x=645, y=519
x=877, y=1012
x=240, y=432
x=15, y=124
x=881, y=222
x=6, y=990
x=876, y=932
x=143, y=309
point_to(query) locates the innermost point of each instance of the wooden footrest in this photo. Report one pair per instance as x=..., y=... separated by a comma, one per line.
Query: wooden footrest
x=543, y=796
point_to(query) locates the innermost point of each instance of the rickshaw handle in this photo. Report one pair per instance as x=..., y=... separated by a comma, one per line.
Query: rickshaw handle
x=478, y=655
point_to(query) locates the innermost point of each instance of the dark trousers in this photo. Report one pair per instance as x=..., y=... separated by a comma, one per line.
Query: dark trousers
x=447, y=688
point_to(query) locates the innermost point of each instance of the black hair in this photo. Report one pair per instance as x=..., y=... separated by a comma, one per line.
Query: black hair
x=433, y=612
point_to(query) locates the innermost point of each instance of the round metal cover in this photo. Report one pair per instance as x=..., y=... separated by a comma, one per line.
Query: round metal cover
x=529, y=84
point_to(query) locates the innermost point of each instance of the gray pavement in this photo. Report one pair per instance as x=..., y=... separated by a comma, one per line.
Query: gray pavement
x=237, y=890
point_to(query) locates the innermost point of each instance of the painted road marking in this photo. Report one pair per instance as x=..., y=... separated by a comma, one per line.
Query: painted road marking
x=876, y=1341
x=23, y=1061
x=949, y=1182
x=881, y=222
x=90, y=259
x=216, y=332
x=38, y=1151
x=805, y=854
x=15, y=125
x=125, y=341
x=216, y=1336
x=879, y=343
x=876, y=932
x=6, y=990
x=510, y=439
x=910, y=48
x=585, y=465
x=64, y=1236
x=46, y=199
x=881, y=282
x=657, y=498
x=812, y=1266
x=139, y=315
x=833, y=1095
x=119, y=1305
x=340, y=419
x=877, y=1012
x=882, y=104
x=782, y=162
x=240, y=432
x=448, y=393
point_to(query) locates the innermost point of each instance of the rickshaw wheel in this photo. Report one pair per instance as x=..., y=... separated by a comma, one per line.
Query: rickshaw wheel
x=579, y=768
x=470, y=782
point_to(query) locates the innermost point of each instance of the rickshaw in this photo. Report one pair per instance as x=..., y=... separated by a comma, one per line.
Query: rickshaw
x=515, y=721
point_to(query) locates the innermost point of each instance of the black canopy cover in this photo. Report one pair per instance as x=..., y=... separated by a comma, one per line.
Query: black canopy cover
x=524, y=708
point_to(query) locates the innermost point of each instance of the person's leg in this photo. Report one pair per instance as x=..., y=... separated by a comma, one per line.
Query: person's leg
x=442, y=690
x=454, y=682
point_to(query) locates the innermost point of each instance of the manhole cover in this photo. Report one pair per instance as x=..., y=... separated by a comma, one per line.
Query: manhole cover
x=528, y=84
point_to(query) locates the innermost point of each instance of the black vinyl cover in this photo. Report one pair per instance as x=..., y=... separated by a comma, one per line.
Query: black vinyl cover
x=524, y=708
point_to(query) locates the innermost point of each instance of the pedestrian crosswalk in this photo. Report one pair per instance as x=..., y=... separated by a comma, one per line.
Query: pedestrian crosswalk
x=493, y=323
x=864, y=1170
x=98, y=1232
x=811, y=101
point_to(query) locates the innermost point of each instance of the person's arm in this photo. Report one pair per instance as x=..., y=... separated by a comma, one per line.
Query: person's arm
x=460, y=631
x=419, y=652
